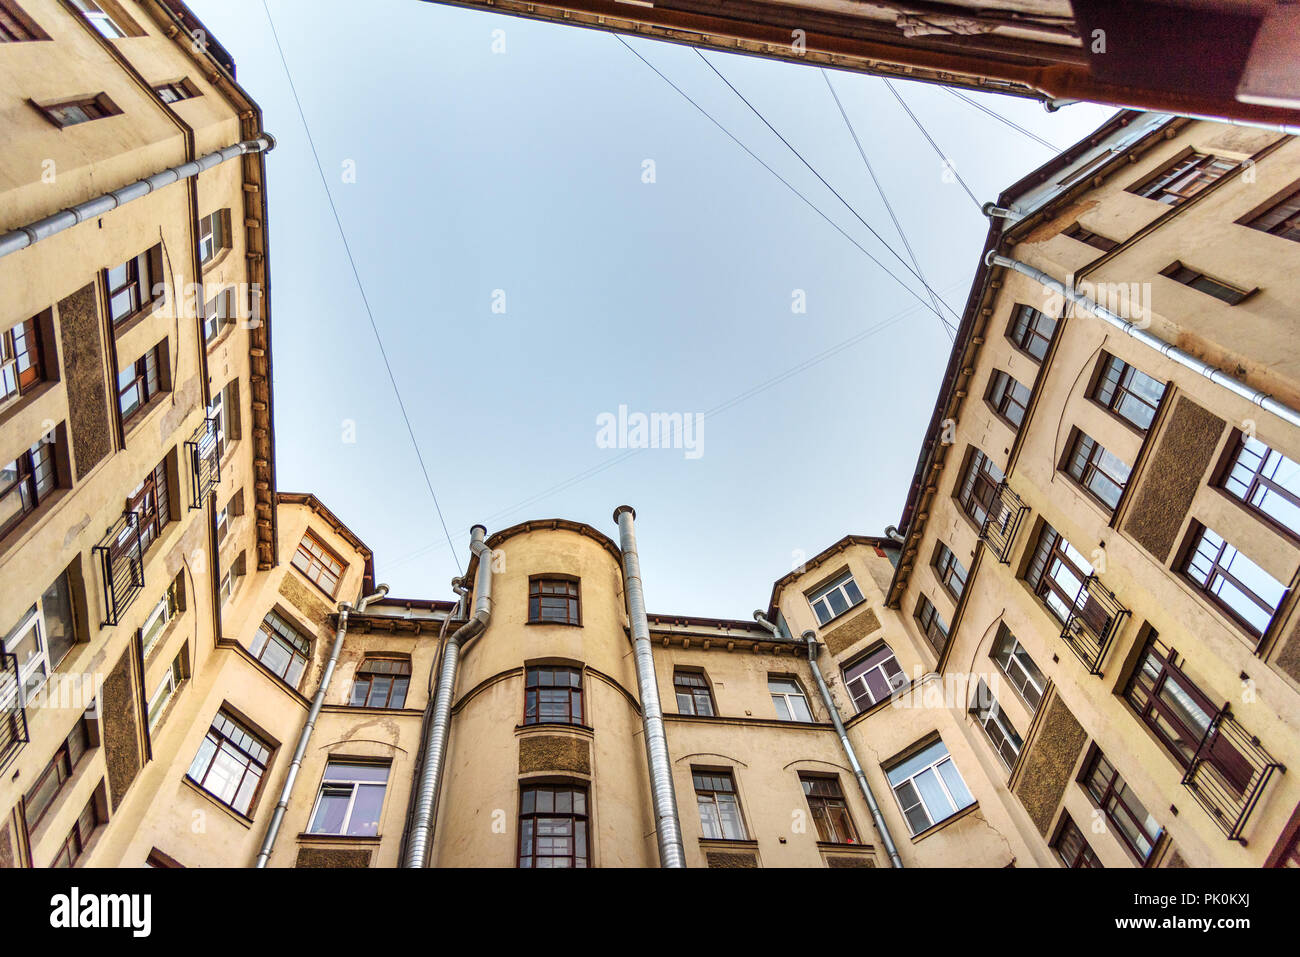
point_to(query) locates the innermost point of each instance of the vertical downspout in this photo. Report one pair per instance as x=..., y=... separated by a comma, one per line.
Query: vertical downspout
x=273, y=829
x=667, y=829
x=814, y=647
x=435, y=746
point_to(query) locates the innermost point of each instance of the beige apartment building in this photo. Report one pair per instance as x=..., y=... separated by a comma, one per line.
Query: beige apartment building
x=1081, y=649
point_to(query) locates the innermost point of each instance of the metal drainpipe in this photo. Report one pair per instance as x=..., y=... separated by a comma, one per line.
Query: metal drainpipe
x=814, y=647
x=1051, y=106
x=33, y=233
x=435, y=746
x=668, y=830
x=273, y=829
x=1255, y=396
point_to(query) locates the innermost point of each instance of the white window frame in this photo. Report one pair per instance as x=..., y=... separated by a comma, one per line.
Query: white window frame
x=32, y=620
x=895, y=682
x=159, y=618
x=212, y=236
x=910, y=779
x=841, y=585
x=785, y=699
x=991, y=713
x=355, y=789
x=166, y=690
x=1029, y=681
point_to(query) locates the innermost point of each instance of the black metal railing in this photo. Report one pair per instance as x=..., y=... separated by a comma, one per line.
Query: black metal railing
x=13, y=717
x=121, y=565
x=205, y=462
x=1002, y=522
x=1095, y=618
x=1228, y=773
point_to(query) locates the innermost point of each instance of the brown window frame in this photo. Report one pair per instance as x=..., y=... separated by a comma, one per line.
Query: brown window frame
x=83, y=829
x=35, y=477
x=1110, y=793
x=936, y=630
x=62, y=766
x=1281, y=217
x=1158, y=665
x=1080, y=854
x=152, y=505
x=949, y=570
x=1003, y=653
x=694, y=693
x=828, y=808
x=1193, y=279
x=569, y=694
x=367, y=674
x=220, y=234
x=1082, y=234
x=978, y=488
x=1084, y=462
x=578, y=816
x=290, y=639
x=1182, y=178
x=1003, y=396
x=22, y=359
x=97, y=106
x=318, y=566
x=141, y=277
x=1113, y=386
x=243, y=748
x=16, y=26
x=538, y=597
x=1051, y=547
x=1025, y=330
x=1218, y=572
x=181, y=89
x=708, y=784
x=1257, y=481
x=146, y=381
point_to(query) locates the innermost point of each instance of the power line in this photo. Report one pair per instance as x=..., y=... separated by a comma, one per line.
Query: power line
x=753, y=109
x=1002, y=119
x=885, y=198
x=788, y=185
x=935, y=146
x=360, y=287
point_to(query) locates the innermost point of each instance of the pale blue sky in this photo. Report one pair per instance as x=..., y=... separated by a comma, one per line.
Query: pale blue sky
x=522, y=171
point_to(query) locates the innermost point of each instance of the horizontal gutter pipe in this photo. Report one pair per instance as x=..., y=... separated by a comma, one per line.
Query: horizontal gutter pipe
x=1290, y=129
x=435, y=745
x=1172, y=352
x=672, y=852
x=273, y=829
x=32, y=233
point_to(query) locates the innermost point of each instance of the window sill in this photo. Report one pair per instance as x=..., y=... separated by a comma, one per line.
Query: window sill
x=221, y=337
x=242, y=819
x=582, y=730
x=16, y=404
x=562, y=624
x=132, y=424
x=131, y=320
x=365, y=840
x=835, y=618
x=728, y=843
x=950, y=819
x=215, y=261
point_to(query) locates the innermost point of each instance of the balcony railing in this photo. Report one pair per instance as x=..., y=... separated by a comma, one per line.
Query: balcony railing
x=121, y=565
x=1002, y=523
x=13, y=717
x=1095, y=618
x=1228, y=773
x=205, y=462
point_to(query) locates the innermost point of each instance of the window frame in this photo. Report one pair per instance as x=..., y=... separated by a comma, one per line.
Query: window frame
x=1288, y=225
x=319, y=560
x=1035, y=680
x=977, y=487
x=1220, y=572
x=1182, y=178
x=844, y=585
x=999, y=730
x=694, y=692
x=63, y=766
x=1024, y=329
x=1201, y=282
x=214, y=232
x=538, y=596
x=35, y=478
x=785, y=699
x=1120, y=386
x=948, y=569
x=142, y=276
x=65, y=114
x=13, y=20
x=22, y=360
x=573, y=695
x=1159, y=666
x=1087, y=461
x=937, y=760
x=1082, y=856
x=1060, y=551
x=392, y=697
x=930, y=621
x=579, y=824
x=704, y=782
x=224, y=738
x=1108, y=790
x=875, y=661
x=354, y=787
x=1002, y=397
x=289, y=639
x=90, y=820
x=832, y=806
x=1080, y=233
x=1227, y=474
x=167, y=689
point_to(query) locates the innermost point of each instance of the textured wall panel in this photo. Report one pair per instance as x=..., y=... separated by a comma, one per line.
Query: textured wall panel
x=89, y=424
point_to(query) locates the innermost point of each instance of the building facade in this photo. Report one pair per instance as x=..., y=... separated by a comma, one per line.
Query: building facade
x=1081, y=649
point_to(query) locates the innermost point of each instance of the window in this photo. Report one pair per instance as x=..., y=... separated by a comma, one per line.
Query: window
x=979, y=486
x=1031, y=330
x=874, y=678
x=1179, y=713
x=829, y=811
x=223, y=522
x=231, y=579
x=1183, y=178
x=351, y=799
x=40, y=796
x=1232, y=581
x=233, y=508
x=1102, y=473
x=788, y=698
x=135, y=285
x=1130, y=818
x=693, y=694
x=715, y=793
x=167, y=688
x=67, y=113
x=932, y=624
x=950, y=572
x=1282, y=218
x=988, y=715
x=1130, y=394
x=315, y=560
x=1008, y=397
x=230, y=763
x=26, y=482
x=553, y=827
x=168, y=607
x=176, y=90
x=40, y=640
x=1265, y=480
x=281, y=647
x=553, y=695
x=1057, y=573
x=214, y=235
x=113, y=29
x=833, y=600
x=1197, y=280
x=16, y=26
x=139, y=382
x=928, y=787
x=553, y=601
x=218, y=315
x=74, y=845
x=151, y=505
x=381, y=682
x=1071, y=847
x=1096, y=240
x=20, y=359
x=1019, y=668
